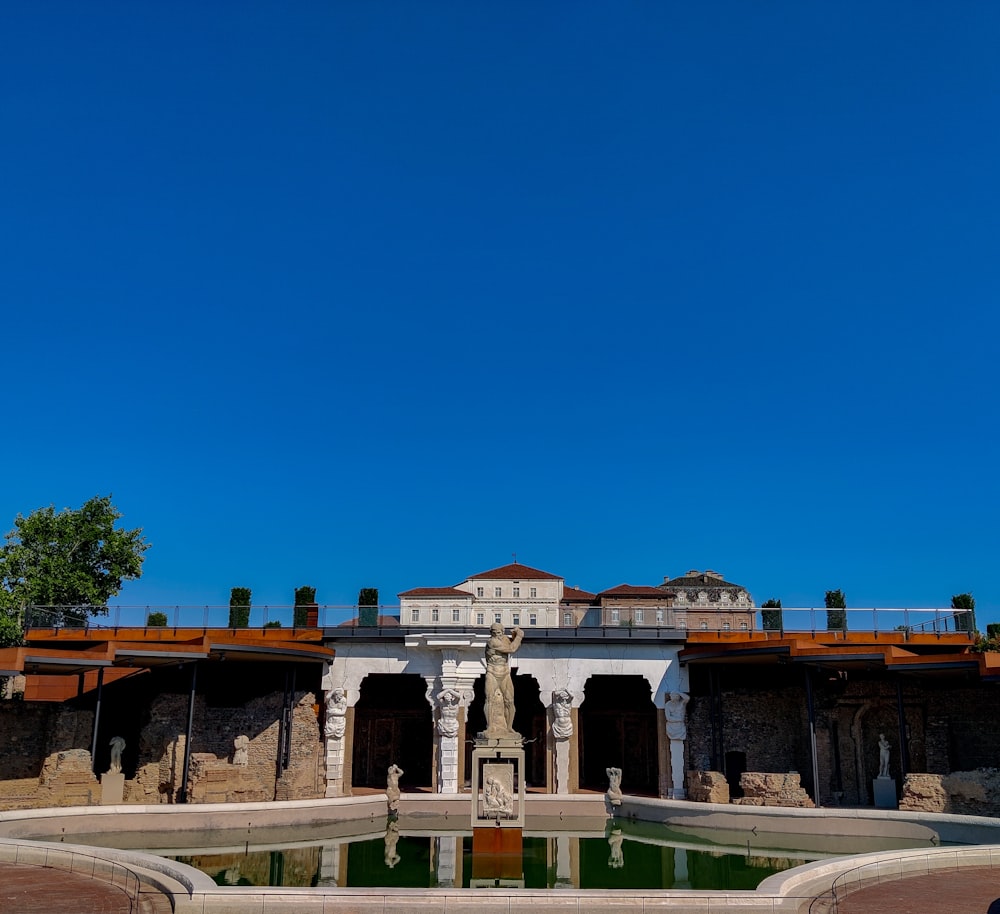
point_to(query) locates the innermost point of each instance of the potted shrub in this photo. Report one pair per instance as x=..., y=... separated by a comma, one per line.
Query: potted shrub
x=306, y=614
x=239, y=607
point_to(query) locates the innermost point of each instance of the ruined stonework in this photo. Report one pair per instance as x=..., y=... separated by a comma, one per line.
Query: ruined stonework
x=212, y=776
x=764, y=789
x=974, y=793
x=707, y=787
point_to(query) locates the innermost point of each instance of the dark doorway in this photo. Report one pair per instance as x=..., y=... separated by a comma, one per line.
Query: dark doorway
x=736, y=764
x=392, y=726
x=618, y=729
x=529, y=721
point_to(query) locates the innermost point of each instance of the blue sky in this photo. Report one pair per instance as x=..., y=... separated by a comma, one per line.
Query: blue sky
x=378, y=293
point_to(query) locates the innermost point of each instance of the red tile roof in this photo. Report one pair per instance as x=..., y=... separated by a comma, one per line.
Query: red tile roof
x=516, y=572
x=630, y=590
x=434, y=592
x=575, y=595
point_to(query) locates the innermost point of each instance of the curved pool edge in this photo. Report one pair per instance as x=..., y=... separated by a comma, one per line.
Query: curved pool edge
x=790, y=891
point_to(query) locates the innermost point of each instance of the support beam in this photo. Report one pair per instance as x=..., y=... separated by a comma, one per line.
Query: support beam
x=812, y=738
x=182, y=796
x=904, y=752
x=97, y=719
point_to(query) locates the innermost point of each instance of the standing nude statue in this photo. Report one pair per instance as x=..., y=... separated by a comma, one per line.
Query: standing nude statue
x=883, y=756
x=499, y=687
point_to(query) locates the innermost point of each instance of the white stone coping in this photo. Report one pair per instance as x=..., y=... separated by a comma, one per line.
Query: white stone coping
x=193, y=891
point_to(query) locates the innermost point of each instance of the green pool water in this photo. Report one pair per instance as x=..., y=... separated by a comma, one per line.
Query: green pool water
x=628, y=855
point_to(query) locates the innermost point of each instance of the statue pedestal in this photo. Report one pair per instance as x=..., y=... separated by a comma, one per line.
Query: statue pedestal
x=884, y=791
x=112, y=789
x=498, y=783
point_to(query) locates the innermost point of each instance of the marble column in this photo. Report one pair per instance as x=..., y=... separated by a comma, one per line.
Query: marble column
x=675, y=711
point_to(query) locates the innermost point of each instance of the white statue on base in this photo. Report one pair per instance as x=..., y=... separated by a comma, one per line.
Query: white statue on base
x=499, y=686
x=562, y=710
x=117, y=747
x=614, y=793
x=241, y=753
x=392, y=786
x=883, y=756
x=336, y=714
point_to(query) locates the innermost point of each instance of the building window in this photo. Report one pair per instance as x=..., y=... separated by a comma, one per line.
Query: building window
x=568, y=620
x=434, y=615
x=659, y=617
x=480, y=619
x=479, y=591
x=533, y=619
x=533, y=592
x=704, y=625
x=496, y=619
x=414, y=615
x=497, y=592
x=517, y=591
x=517, y=618
x=726, y=626
x=640, y=616
x=743, y=626
x=456, y=615
x=615, y=616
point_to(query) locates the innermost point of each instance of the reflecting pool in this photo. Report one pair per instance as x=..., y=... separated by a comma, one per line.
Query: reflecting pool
x=624, y=855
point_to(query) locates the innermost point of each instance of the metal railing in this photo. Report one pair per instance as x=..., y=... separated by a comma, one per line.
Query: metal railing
x=531, y=617
x=892, y=869
x=79, y=863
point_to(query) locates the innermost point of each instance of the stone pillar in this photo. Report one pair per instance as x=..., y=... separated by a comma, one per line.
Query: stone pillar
x=675, y=713
x=563, y=740
x=447, y=706
x=336, y=736
x=447, y=855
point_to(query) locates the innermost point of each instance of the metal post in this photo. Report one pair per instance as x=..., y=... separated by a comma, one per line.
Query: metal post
x=812, y=737
x=904, y=752
x=182, y=796
x=97, y=719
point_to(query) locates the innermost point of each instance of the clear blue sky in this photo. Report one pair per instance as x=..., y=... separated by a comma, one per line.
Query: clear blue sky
x=377, y=293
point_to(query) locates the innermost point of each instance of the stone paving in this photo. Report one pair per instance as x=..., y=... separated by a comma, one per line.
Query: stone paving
x=973, y=890
x=27, y=889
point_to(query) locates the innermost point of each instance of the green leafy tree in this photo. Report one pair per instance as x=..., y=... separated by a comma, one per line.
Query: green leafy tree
x=964, y=622
x=368, y=606
x=68, y=558
x=304, y=598
x=239, y=607
x=836, y=610
x=770, y=614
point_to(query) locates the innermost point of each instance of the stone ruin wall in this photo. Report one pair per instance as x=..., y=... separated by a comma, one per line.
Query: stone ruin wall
x=45, y=759
x=975, y=793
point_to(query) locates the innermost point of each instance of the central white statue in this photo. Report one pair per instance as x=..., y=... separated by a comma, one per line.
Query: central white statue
x=499, y=686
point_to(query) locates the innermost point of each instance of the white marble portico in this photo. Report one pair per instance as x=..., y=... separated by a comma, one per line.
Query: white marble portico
x=451, y=662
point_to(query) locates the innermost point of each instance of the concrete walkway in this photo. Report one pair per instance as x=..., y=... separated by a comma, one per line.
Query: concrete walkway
x=969, y=891
x=28, y=889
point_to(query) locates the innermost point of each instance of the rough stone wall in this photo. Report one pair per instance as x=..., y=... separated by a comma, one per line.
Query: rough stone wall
x=707, y=787
x=974, y=793
x=41, y=761
x=212, y=777
x=764, y=789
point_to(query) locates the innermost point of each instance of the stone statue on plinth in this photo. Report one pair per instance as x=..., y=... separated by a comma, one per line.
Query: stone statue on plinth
x=675, y=711
x=614, y=793
x=241, y=751
x=883, y=756
x=117, y=747
x=499, y=686
x=392, y=786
